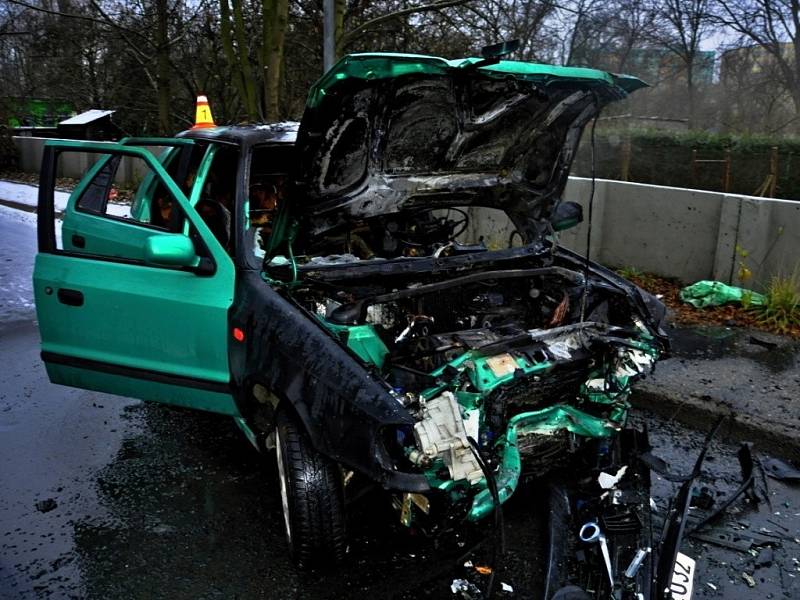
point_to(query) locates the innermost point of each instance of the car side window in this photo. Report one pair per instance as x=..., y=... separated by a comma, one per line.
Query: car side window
x=266, y=192
x=126, y=188
x=94, y=197
x=119, y=205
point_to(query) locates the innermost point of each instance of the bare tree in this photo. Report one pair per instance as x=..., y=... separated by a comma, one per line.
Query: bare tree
x=682, y=26
x=773, y=26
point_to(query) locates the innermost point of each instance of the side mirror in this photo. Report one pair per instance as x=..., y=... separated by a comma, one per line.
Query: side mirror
x=170, y=249
x=566, y=215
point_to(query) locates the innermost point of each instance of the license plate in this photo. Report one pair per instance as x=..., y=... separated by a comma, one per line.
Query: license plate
x=682, y=578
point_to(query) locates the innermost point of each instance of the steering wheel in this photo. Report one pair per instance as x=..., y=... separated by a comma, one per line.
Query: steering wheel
x=459, y=226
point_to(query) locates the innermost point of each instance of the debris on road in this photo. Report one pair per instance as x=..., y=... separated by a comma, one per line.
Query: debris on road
x=466, y=589
x=778, y=469
x=44, y=506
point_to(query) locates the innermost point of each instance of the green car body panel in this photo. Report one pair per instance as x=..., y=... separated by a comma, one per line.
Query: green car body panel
x=166, y=327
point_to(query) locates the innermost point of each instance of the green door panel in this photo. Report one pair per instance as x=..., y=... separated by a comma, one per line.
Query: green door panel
x=142, y=317
x=132, y=387
x=103, y=236
x=110, y=323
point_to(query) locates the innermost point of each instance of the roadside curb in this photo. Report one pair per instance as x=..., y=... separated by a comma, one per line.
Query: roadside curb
x=26, y=207
x=702, y=412
x=18, y=205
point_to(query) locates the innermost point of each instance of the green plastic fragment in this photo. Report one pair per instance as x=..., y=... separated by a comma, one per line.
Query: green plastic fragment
x=715, y=293
x=361, y=339
x=540, y=422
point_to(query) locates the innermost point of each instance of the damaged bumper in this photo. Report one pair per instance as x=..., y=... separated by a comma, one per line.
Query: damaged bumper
x=456, y=425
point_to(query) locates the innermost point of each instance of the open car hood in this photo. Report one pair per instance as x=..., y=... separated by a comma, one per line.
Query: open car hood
x=383, y=133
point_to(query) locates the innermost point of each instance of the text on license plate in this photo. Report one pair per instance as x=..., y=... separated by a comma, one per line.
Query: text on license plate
x=682, y=578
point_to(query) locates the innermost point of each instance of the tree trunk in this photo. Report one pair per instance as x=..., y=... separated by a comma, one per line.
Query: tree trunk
x=276, y=18
x=338, y=21
x=690, y=89
x=250, y=100
x=230, y=53
x=163, y=68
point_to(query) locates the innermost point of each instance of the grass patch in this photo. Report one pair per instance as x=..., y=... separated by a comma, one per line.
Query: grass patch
x=781, y=311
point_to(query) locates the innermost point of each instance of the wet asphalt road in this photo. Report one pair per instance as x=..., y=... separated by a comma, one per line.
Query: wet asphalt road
x=105, y=497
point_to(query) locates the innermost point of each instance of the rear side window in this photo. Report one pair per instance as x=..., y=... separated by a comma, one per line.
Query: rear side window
x=96, y=194
x=125, y=187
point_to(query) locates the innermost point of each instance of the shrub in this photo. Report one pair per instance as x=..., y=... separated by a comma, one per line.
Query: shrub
x=781, y=312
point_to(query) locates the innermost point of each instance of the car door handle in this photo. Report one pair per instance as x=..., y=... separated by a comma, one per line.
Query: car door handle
x=70, y=297
x=78, y=241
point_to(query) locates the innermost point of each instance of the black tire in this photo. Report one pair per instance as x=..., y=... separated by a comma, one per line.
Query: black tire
x=311, y=495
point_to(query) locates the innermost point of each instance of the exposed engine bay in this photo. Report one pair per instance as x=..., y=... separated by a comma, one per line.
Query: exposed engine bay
x=516, y=363
x=512, y=370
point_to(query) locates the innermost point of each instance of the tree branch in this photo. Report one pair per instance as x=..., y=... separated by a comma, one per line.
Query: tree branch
x=353, y=33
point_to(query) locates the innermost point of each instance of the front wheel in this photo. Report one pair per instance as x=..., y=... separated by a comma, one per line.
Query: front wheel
x=312, y=497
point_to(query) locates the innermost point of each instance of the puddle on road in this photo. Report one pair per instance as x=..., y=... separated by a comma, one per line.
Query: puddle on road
x=715, y=343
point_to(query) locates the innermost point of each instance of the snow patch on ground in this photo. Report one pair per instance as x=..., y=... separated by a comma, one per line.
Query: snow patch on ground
x=29, y=194
x=17, y=252
x=22, y=193
x=19, y=216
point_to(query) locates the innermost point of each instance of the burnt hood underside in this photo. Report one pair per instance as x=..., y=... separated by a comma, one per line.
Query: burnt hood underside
x=376, y=142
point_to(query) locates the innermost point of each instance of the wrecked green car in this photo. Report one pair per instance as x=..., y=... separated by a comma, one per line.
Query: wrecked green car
x=376, y=292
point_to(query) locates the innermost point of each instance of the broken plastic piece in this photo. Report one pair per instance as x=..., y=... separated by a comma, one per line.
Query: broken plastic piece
x=715, y=293
x=745, y=457
x=506, y=588
x=466, y=589
x=702, y=498
x=543, y=422
x=749, y=579
x=781, y=470
x=765, y=557
x=608, y=481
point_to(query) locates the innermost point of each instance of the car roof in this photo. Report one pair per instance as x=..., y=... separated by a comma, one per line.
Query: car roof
x=284, y=132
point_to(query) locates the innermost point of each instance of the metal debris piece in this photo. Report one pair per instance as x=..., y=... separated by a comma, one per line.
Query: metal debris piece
x=44, y=506
x=765, y=558
x=778, y=469
x=725, y=540
x=636, y=563
x=745, y=457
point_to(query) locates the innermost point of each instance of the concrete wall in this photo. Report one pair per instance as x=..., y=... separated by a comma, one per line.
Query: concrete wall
x=687, y=234
x=674, y=232
x=75, y=164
